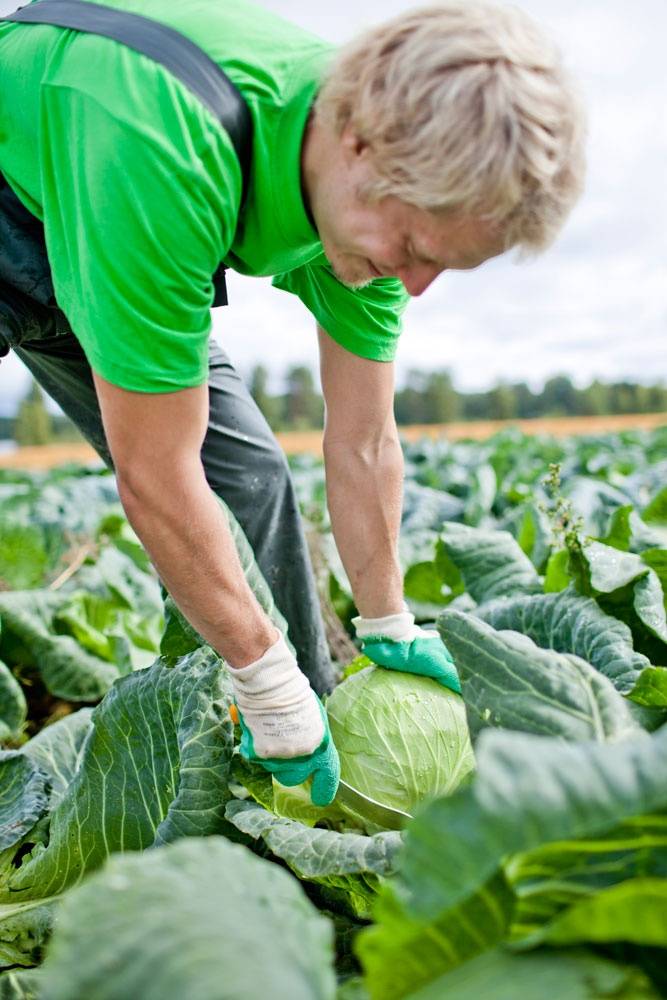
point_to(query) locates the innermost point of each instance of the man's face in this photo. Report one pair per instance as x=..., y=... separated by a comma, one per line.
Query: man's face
x=364, y=240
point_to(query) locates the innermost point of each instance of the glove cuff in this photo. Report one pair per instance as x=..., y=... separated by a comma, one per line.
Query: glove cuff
x=274, y=670
x=399, y=627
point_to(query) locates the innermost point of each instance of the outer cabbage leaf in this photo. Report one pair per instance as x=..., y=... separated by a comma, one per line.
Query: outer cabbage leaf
x=68, y=671
x=550, y=879
x=349, y=863
x=202, y=919
x=565, y=975
x=655, y=512
x=13, y=706
x=24, y=556
x=24, y=796
x=24, y=931
x=631, y=911
x=20, y=985
x=568, y=623
x=511, y=683
x=155, y=767
x=400, y=953
x=492, y=563
x=58, y=751
x=651, y=688
x=528, y=791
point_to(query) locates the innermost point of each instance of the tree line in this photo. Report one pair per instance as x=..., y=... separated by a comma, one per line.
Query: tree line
x=430, y=397
x=424, y=398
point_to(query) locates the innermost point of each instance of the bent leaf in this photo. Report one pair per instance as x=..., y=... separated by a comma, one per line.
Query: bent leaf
x=568, y=623
x=492, y=563
x=510, y=682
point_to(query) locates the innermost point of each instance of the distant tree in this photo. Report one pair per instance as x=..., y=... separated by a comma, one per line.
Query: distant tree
x=502, y=402
x=657, y=398
x=559, y=397
x=302, y=404
x=269, y=405
x=594, y=399
x=441, y=400
x=525, y=401
x=33, y=424
x=623, y=397
x=475, y=406
x=409, y=401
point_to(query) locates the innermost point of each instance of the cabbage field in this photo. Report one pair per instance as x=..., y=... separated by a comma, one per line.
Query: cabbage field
x=141, y=857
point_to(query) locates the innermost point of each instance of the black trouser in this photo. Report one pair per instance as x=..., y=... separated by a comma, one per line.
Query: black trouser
x=242, y=460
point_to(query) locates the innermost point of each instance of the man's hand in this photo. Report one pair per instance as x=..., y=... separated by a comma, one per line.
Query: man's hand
x=397, y=643
x=284, y=726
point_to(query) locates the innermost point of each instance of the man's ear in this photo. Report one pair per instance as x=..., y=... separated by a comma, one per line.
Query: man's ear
x=354, y=147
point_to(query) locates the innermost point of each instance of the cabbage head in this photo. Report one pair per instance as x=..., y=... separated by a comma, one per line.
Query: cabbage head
x=401, y=738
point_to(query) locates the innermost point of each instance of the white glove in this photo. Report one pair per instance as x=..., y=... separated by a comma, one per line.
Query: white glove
x=278, y=705
x=399, y=627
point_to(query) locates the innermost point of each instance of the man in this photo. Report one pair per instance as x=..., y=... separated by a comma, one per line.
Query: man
x=436, y=141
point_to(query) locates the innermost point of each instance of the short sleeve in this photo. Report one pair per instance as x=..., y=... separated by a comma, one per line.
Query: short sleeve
x=137, y=218
x=366, y=321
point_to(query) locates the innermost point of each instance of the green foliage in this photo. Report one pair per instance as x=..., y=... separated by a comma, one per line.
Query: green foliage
x=547, y=865
x=32, y=424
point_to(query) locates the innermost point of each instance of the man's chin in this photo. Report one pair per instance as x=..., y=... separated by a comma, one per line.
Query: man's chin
x=351, y=280
x=356, y=285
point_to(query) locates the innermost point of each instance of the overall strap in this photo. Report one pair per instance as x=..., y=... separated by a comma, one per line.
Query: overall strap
x=164, y=45
x=168, y=47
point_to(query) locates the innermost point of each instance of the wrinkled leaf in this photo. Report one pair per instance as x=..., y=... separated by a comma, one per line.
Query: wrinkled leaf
x=568, y=623
x=24, y=798
x=492, y=563
x=13, y=707
x=348, y=862
x=510, y=682
x=155, y=768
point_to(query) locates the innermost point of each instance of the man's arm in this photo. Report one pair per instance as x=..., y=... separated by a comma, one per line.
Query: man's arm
x=364, y=467
x=364, y=473
x=155, y=441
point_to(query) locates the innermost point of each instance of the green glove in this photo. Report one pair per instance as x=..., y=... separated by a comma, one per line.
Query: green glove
x=397, y=643
x=323, y=763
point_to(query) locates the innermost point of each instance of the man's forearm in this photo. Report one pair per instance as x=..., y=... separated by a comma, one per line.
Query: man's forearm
x=364, y=494
x=185, y=531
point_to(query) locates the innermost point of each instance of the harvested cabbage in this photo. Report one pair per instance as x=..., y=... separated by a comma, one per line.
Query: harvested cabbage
x=401, y=738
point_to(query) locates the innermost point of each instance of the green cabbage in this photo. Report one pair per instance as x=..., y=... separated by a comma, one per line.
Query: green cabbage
x=401, y=738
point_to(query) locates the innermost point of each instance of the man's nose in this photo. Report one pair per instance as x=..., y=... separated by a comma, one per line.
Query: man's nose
x=417, y=277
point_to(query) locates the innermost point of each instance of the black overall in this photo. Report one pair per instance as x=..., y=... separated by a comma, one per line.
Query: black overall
x=242, y=461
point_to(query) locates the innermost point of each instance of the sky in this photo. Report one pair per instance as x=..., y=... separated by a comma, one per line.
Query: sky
x=592, y=306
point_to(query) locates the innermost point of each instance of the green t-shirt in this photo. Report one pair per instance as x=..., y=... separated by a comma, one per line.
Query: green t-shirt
x=138, y=187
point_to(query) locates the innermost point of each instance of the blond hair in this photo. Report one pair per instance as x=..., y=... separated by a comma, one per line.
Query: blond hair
x=466, y=107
